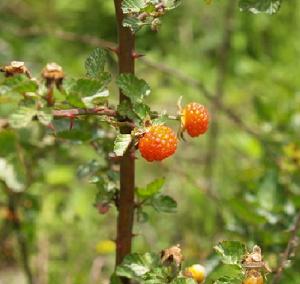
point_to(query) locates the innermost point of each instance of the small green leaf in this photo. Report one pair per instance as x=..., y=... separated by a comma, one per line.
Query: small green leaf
x=96, y=99
x=121, y=144
x=142, y=110
x=85, y=87
x=125, y=110
x=133, y=6
x=22, y=117
x=260, y=6
x=164, y=203
x=95, y=63
x=18, y=84
x=132, y=87
x=136, y=266
x=231, y=252
x=152, y=188
x=134, y=24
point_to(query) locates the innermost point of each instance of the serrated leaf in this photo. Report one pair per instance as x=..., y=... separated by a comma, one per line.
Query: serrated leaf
x=95, y=63
x=164, y=203
x=226, y=273
x=8, y=176
x=96, y=99
x=231, y=252
x=121, y=144
x=18, y=84
x=132, y=87
x=86, y=87
x=260, y=6
x=134, y=24
x=142, y=110
x=22, y=117
x=133, y=6
x=152, y=188
x=125, y=110
x=135, y=266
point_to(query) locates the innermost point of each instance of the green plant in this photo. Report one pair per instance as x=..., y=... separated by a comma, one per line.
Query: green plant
x=84, y=104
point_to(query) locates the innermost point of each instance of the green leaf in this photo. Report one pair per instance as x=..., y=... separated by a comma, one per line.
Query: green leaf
x=152, y=188
x=85, y=87
x=226, y=273
x=96, y=99
x=133, y=6
x=125, y=110
x=8, y=176
x=22, y=117
x=121, y=144
x=135, y=266
x=260, y=6
x=231, y=252
x=134, y=24
x=132, y=87
x=18, y=84
x=164, y=203
x=142, y=110
x=95, y=63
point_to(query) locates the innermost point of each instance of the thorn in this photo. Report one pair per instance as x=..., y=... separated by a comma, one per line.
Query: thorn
x=136, y=55
x=71, y=122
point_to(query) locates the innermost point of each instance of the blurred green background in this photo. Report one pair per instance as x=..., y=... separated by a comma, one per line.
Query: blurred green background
x=240, y=181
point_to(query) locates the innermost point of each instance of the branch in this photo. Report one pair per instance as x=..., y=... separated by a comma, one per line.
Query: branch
x=97, y=42
x=292, y=245
x=78, y=112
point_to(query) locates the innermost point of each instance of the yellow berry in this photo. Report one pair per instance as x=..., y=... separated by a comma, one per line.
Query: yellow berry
x=197, y=272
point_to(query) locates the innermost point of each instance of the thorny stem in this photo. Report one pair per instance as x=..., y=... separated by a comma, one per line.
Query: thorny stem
x=127, y=163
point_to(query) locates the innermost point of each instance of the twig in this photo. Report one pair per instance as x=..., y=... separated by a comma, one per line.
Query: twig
x=95, y=41
x=292, y=245
x=78, y=112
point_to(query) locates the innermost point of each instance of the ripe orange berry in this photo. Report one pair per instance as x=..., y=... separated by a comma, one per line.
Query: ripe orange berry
x=195, y=119
x=253, y=279
x=158, y=143
x=196, y=271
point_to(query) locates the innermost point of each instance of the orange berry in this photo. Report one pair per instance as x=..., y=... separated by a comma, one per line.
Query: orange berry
x=195, y=119
x=158, y=143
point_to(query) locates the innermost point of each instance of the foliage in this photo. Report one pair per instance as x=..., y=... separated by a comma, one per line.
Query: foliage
x=255, y=192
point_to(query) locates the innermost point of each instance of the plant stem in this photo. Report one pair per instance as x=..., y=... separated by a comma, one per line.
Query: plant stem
x=127, y=164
